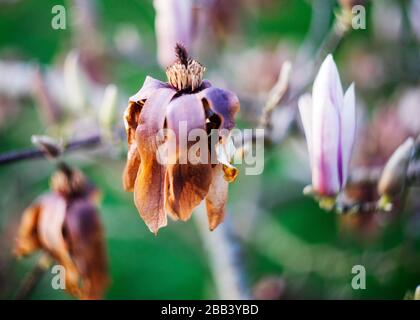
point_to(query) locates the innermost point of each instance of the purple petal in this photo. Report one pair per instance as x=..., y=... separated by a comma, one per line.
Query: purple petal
x=185, y=110
x=327, y=84
x=348, y=129
x=205, y=84
x=224, y=103
x=327, y=98
x=149, y=86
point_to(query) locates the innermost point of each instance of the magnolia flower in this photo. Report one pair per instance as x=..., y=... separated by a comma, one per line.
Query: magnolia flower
x=66, y=225
x=328, y=118
x=173, y=24
x=176, y=188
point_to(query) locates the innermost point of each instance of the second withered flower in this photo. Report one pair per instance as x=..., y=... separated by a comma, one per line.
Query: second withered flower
x=176, y=188
x=65, y=224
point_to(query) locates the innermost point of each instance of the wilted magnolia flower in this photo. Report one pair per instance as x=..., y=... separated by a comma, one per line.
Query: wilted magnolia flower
x=328, y=119
x=65, y=224
x=173, y=24
x=176, y=188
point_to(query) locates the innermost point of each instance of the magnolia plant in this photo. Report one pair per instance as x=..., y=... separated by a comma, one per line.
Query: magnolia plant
x=176, y=187
x=329, y=122
x=65, y=224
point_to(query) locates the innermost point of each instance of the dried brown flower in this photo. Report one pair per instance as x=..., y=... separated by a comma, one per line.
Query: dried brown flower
x=65, y=224
x=176, y=188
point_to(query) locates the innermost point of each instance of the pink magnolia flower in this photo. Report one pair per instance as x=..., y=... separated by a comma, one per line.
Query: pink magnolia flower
x=173, y=24
x=328, y=119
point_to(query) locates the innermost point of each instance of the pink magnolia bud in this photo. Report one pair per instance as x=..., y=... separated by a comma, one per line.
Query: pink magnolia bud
x=328, y=119
x=173, y=24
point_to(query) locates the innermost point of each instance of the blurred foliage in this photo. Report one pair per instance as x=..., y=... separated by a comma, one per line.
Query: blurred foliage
x=173, y=265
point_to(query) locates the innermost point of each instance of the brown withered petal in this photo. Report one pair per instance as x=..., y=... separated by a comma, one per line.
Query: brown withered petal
x=188, y=185
x=131, y=121
x=230, y=173
x=131, y=168
x=84, y=238
x=224, y=103
x=217, y=197
x=50, y=231
x=27, y=239
x=149, y=189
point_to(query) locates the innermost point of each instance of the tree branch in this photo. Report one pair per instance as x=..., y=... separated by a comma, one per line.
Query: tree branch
x=225, y=257
x=35, y=153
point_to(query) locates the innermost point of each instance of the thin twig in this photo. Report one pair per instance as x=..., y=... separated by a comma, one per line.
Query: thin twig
x=32, y=279
x=35, y=153
x=276, y=94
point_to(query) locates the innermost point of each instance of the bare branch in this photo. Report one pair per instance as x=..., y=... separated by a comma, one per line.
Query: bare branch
x=276, y=94
x=225, y=258
x=35, y=153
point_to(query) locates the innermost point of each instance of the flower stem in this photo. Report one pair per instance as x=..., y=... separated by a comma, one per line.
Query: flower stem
x=32, y=279
x=225, y=257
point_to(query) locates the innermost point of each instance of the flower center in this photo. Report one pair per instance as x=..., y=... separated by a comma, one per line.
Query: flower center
x=68, y=181
x=185, y=73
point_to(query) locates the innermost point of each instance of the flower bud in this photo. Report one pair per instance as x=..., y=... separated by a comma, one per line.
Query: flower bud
x=393, y=177
x=329, y=122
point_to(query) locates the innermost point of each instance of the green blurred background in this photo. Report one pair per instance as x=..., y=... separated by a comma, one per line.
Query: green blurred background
x=290, y=238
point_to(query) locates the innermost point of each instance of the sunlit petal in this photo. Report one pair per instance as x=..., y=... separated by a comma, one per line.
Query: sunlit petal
x=149, y=189
x=27, y=239
x=217, y=197
x=131, y=168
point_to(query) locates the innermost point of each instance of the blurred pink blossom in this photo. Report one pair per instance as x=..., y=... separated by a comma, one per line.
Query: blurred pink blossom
x=173, y=24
